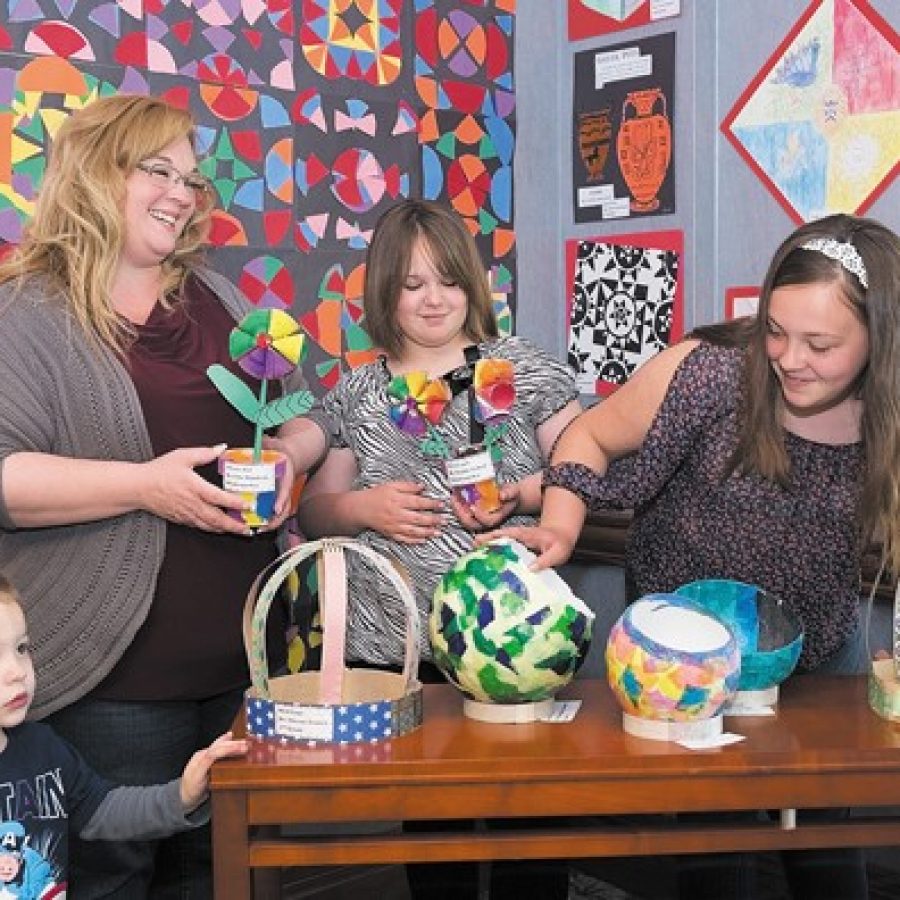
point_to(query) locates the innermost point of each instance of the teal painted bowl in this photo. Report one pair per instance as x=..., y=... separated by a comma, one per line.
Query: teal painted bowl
x=770, y=636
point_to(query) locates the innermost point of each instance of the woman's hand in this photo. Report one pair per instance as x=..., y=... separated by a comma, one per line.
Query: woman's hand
x=474, y=519
x=401, y=511
x=283, y=507
x=171, y=489
x=552, y=547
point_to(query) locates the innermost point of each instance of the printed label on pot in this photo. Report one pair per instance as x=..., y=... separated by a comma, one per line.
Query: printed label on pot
x=470, y=469
x=248, y=478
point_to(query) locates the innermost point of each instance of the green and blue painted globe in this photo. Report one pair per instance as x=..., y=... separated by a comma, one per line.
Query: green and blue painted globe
x=504, y=634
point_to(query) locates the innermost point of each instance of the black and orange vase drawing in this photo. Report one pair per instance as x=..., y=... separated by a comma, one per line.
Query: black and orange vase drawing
x=644, y=146
x=594, y=136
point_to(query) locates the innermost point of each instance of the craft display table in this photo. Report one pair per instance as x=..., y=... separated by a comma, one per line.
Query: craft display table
x=824, y=748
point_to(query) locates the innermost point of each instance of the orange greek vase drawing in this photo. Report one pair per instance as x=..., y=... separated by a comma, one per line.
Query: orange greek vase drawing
x=644, y=146
x=594, y=135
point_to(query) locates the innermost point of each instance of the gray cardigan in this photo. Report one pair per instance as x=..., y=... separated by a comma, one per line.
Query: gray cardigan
x=87, y=587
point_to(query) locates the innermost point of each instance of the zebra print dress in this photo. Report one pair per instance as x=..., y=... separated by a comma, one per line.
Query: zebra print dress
x=357, y=410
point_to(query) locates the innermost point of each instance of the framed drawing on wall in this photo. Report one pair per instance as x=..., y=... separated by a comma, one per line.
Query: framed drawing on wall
x=624, y=304
x=589, y=18
x=741, y=301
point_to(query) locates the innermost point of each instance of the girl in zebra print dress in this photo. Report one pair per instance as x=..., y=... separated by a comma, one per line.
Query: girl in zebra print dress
x=428, y=306
x=426, y=300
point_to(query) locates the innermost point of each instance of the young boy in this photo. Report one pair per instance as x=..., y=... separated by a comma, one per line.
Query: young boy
x=45, y=786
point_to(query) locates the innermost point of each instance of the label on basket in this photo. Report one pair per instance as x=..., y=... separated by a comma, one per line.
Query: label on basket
x=304, y=723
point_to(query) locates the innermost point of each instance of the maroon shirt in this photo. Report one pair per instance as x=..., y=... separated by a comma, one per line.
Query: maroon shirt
x=190, y=645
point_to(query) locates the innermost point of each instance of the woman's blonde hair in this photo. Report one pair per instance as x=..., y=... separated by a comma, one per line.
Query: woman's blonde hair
x=78, y=230
x=451, y=249
x=8, y=593
x=761, y=447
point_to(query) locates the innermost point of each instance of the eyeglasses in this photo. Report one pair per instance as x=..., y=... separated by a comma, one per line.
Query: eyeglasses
x=166, y=175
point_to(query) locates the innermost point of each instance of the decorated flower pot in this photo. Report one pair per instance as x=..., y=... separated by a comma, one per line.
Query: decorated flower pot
x=257, y=483
x=769, y=635
x=672, y=666
x=884, y=678
x=507, y=637
x=266, y=344
x=472, y=478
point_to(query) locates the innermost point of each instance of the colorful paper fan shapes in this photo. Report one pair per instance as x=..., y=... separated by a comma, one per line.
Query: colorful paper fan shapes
x=415, y=400
x=267, y=343
x=359, y=40
x=267, y=283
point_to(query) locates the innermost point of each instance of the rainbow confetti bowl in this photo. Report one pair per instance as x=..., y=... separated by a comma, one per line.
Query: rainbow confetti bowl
x=504, y=634
x=668, y=659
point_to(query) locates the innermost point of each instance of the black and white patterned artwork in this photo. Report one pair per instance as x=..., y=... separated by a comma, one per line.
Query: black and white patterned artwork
x=624, y=310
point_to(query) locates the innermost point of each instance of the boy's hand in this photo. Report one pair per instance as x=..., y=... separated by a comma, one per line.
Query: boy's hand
x=195, y=779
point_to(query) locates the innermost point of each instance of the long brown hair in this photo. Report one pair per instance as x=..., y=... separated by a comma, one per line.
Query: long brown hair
x=78, y=230
x=454, y=254
x=761, y=447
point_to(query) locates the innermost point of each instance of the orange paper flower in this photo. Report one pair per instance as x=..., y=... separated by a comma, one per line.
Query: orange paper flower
x=495, y=390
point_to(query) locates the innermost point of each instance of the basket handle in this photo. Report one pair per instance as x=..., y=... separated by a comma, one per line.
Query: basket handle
x=266, y=585
x=332, y=584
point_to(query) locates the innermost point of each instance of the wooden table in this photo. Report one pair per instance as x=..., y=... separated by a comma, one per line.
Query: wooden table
x=825, y=748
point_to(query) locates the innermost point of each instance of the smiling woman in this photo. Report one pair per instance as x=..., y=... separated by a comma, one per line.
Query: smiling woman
x=112, y=521
x=818, y=346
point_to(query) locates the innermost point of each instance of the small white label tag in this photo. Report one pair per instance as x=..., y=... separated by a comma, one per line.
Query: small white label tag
x=616, y=209
x=304, y=723
x=562, y=711
x=709, y=743
x=661, y=9
x=595, y=195
x=248, y=478
x=470, y=469
x=743, y=708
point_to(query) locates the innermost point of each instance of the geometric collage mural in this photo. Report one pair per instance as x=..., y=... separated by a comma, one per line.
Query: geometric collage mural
x=314, y=116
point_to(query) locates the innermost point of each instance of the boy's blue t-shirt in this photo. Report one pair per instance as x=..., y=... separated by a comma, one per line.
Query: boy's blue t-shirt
x=45, y=789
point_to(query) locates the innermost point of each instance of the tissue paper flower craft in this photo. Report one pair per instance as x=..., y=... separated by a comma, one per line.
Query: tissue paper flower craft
x=417, y=405
x=495, y=390
x=266, y=343
x=417, y=402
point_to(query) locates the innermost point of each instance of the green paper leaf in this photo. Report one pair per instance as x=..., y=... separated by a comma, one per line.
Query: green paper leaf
x=288, y=407
x=234, y=391
x=435, y=445
x=493, y=434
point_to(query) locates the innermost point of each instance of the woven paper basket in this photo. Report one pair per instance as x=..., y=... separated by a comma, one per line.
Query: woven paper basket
x=335, y=705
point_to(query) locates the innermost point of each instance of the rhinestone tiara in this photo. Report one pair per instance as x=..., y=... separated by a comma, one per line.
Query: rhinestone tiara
x=844, y=252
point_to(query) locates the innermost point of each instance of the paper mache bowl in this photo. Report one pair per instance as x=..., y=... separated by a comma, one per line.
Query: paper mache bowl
x=769, y=635
x=669, y=660
x=334, y=705
x=504, y=634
